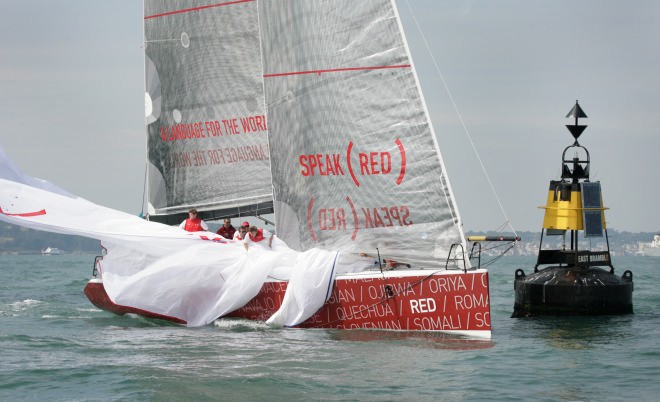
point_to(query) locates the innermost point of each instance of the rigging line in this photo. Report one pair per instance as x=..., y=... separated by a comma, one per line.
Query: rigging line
x=328, y=291
x=386, y=287
x=380, y=263
x=144, y=190
x=460, y=117
x=497, y=257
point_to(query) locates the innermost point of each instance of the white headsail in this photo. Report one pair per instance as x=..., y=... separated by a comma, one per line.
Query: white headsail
x=355, y=162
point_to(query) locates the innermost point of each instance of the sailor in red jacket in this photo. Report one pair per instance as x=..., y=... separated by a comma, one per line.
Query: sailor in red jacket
x=227, y=230
x=256, y=236
x=193, y=223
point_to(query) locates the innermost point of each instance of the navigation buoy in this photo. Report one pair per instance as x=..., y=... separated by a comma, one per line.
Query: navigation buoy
x=571, y=280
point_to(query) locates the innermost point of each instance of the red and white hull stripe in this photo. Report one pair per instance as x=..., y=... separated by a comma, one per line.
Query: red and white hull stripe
x=406, y=300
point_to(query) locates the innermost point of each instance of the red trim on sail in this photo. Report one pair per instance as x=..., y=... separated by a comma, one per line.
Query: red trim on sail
x=187, y=10
x=310, y=223
x=350, y=166
x=403, y=161
x=334, y=70
x=216, y=239
x=25, y=214
x=355, y=218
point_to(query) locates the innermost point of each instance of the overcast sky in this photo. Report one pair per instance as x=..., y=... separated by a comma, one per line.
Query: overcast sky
x=72, y=99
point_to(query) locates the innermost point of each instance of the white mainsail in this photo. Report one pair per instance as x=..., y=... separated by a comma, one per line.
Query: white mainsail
x=206, y=122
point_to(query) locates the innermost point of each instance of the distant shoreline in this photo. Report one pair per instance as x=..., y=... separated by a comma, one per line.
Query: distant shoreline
x=17, y=240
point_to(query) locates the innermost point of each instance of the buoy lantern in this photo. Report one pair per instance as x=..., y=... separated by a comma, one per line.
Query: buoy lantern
x=571, y=280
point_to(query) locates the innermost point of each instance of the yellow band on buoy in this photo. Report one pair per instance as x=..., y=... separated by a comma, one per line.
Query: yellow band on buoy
x=571, y=208
x=492, y=238
x=566, y=213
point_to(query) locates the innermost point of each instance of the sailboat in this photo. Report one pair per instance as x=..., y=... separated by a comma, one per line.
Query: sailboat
x=311, y=111
x=51, y=251
x=651, y=248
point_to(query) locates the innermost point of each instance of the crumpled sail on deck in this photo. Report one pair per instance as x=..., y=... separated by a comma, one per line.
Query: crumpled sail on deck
x=193, y=278
x=206, y=121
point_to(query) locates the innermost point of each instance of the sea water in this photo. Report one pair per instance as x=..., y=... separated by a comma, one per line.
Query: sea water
x=54, y=345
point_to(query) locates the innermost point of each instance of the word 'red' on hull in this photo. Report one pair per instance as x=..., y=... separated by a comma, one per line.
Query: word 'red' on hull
x=445, y=301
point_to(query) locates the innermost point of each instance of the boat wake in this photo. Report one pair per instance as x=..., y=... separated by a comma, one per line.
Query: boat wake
x=241, y=325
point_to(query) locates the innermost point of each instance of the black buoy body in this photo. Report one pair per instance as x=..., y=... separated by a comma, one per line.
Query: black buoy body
x=572, y=279
x=568, y=290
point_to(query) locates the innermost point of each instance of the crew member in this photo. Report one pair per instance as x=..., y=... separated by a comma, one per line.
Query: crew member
x=227, y=230
x=193, y=223
x=257, y=236
x=242, y=231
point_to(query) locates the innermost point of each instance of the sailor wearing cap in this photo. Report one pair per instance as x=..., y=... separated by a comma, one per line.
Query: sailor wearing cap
x=242, y=231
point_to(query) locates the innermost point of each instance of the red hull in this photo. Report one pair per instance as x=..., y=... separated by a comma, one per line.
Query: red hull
x=96, y=294
x=447, y=301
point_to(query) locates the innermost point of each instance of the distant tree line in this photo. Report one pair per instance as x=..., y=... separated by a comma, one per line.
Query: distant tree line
x=615, y=236
x=17, y=239
x=22, y=240
x=619, y=241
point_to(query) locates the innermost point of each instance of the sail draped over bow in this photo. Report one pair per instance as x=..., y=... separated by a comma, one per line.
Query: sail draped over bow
x=194, y=277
